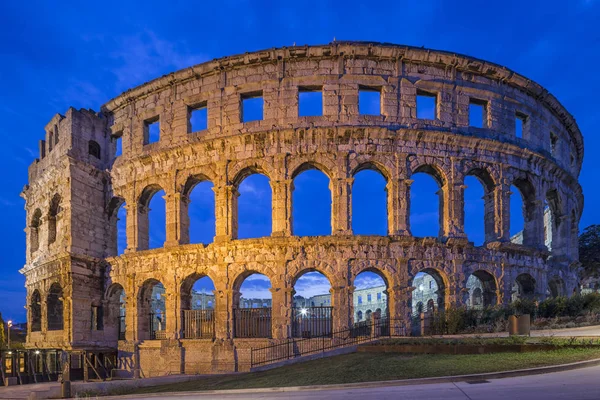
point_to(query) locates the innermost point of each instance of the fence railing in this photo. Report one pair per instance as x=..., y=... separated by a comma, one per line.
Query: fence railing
x=310, y=322
x=198, y=324
x=359, y=333
x=252, y=322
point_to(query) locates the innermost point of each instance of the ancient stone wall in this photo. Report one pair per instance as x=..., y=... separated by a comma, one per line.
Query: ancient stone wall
x=75, y=247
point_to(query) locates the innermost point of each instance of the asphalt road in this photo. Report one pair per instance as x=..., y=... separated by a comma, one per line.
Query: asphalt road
x=580, y=384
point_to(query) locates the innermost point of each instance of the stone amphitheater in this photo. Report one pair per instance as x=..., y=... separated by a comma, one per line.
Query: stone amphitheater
x=84, y=297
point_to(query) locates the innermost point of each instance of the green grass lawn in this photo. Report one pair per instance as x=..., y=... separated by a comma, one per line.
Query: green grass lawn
x=364, y=367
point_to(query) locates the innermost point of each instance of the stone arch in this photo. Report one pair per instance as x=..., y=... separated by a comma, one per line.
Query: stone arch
x=528, y=195
x=557, y=287
x=239, y=280
x=524, y=287
x=35, y=311
x=34, y=231
x=53, y=212
x=371, y=293
x=369, y=215
x=55, y=308
x=487, y=285
x=193, y=184
x=304, y=212
x=323, y=163
x=143, y=221
x=244, y=170
x=435, y=287
x=488, y=183
x=435, y=172
x=197, y=307
x=94, y=149
x=249, y=205
x=151, y=309
x=362, y=164
x=117, y=229
x=552, y=221
x=115, y=300
x=251, y=315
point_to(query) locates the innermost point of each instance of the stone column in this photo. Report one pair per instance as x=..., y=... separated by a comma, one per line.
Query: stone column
x=281, y=309
x=398, y=207
x=131, y=315
x=137, y=227
x=173, y=325
x=502, y=195
x=399, y=309
x=341, y=300
x=489, y=217
x=224, y=301
x=533, y=230
x=282, y=207
x=173, y=211
x=226, y=212
x=341, y=217
x=453, y=209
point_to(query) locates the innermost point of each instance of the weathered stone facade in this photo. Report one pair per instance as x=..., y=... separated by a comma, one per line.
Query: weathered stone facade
x=73, y=273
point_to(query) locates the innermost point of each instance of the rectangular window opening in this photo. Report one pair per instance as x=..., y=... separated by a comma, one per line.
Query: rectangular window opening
x=369, y=101
x=310, y=101
x=252, y=107
x=152, y=130
x=426, y=105
x=197, y=118
x=553, y=143
x=117, y=139
x=520, y=121
x=478, y=113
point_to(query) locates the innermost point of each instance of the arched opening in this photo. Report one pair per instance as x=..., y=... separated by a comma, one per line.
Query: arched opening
x=312, y=314
x=252, y=306
x=556, y=287
x=198, y=211
x=522, y=213
x=198, y=307
x=482, y=290
x=151, y=218
x=255, y=208
x=479, y=207
x=152, y=311
x=117, y=219
x=429, y=289
x=54, y=304
x=34, y=231
x=552, y=219
x=35, y=311
x=524, y=288
x=52, y=218
x=369, y=203
x=370, y=293
x=115, y=321
x=311, y=203
x=94, y=149
x=426, y=203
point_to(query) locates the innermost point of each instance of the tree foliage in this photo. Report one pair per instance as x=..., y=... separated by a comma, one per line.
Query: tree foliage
x=589, y=251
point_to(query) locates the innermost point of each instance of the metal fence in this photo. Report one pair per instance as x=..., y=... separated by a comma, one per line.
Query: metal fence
x=198, y=324
x=252, y=322
x=359, y=333
x=310, y=322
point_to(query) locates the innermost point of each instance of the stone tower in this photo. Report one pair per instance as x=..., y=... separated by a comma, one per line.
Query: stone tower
x=67, y=232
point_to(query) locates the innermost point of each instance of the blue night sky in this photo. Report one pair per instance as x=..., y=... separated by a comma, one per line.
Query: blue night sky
x=83, y=54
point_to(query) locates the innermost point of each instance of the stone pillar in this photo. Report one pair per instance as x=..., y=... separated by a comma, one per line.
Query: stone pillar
x=226, y=209
x=489, y=219
x=341, y=218
x=281, y=309
x=137, y=227
x=173, y=211
x=172, y=326
x=533, y=230
x=224, y=301
x=502, y=195
x=341, y=300
x=398, y=206
x=453, y=209
x=399, y=309
x=131, y=315
x=282, y=207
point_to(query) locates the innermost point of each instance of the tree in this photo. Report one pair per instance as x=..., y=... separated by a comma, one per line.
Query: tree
x=589, y=252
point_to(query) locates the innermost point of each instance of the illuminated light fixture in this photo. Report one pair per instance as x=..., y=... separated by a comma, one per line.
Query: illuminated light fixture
x=303, y=312
x=10, y=353
x=37, y=352
x=421, y=288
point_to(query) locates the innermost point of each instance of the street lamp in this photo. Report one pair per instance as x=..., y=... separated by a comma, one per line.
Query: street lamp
x=9, y=323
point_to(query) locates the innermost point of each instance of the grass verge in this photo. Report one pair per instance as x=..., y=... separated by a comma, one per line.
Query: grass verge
x=365, y=367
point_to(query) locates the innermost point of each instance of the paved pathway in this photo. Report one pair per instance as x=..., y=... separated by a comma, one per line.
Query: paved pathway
x=580, y=384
